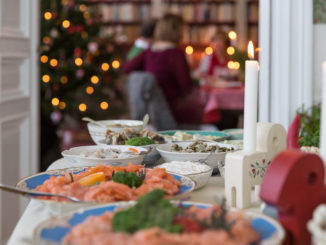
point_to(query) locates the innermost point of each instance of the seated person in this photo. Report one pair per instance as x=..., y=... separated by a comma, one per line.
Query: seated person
x=143, y=42
x=216, y=63
x=167, y=62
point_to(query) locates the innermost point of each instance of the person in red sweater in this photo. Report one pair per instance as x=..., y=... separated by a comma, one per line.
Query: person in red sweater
x=167, y=62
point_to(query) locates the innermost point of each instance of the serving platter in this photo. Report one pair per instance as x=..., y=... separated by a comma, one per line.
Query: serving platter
x=219, y=134
x=74, y=155
x=31, y=182
x=54, y=229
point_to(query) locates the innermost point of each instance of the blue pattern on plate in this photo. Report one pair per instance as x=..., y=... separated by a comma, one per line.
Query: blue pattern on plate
x=57, y=233
x=220, y=134
x=263, y=227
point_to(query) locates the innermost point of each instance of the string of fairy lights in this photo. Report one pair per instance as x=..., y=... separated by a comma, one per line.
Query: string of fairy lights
x=232, y=65
x=78, y=61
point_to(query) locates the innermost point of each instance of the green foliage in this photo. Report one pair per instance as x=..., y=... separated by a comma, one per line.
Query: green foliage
x=131, y=179
x=151, y=210
x=139, y=141
x=68, y=81
x=309, y=126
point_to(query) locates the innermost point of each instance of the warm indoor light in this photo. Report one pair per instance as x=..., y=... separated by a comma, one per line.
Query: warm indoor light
x=46, y=40
x=89, y=90
x=44, y=59
x=47, y=15
x=94, y=79
x=62, y=105
x=66, y=23
x=63, y=79
x=208, y=50
x=236, y=65
x=53, y=62
x=82, y=7
x=251, y=53
x=115, y=64
x=78, y=61
x=230, y=50
x=105, y=66
x=189, y=50
x=104, y=105
x=46, y=78
x=231, y=65
x=82, y=107
x=232, y=35
x=55, y=101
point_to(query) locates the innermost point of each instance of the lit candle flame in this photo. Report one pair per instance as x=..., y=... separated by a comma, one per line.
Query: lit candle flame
x=251, y=53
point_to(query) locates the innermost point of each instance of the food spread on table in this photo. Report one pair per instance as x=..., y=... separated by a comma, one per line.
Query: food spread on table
x=104, y=183
x=199, y=146
x=184, y=136
x=109, y=153
x=129, y=136
x=154, y=220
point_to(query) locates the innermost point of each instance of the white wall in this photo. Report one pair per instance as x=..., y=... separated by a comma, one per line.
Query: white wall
x=319, y=55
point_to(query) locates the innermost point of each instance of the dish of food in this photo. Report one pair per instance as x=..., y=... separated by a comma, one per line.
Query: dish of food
x=129, y=136
x=105, y=183
x=154, y=220
x=112, y=155
x=98, y=133
x=191, y=135
x=209, y=158
x=201, y=147
x=199, y=173
x=235, y=133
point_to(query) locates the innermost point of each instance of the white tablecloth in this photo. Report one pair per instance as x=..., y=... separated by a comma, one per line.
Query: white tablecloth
x=38, y=211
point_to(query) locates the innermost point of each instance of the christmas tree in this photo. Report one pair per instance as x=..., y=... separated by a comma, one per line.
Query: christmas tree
x=79, y=67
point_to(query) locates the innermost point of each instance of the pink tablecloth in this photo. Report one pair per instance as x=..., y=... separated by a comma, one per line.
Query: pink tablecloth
x=216, y=99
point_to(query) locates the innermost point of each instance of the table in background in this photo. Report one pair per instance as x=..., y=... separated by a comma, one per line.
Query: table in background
x=216, y=99
x=38, y=211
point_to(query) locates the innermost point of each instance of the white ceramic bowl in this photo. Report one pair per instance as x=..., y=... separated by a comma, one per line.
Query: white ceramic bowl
x=98, y=133
x=74, y=156
x=210, y=159
x=150, y=158
x=200, y=177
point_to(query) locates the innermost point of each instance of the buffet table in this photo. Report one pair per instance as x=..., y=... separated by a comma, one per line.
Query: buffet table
x=38, y=211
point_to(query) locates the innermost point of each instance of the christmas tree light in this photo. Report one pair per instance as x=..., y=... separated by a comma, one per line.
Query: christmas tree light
x=89, y=90
x=104, y=105
x=46, y=78
x=53, y=62
x=82, y=107
x=65, y=24
x=62, y=105
x=232, y=35
x=64, y=79
x=78, y=61
x=115, y=64
x=44, y=59
x=94, y=79
x=105, y=66
x=55, y=101
x=189, y=50
x=47, y=15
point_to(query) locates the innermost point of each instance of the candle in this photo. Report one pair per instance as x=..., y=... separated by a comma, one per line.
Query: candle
x=323, y=116
x=250, y=105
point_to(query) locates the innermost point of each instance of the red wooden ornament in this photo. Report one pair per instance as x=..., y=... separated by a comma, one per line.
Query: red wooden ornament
x=294, y=184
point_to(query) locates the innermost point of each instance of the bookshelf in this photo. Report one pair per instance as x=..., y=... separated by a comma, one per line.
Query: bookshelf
x=202, y=18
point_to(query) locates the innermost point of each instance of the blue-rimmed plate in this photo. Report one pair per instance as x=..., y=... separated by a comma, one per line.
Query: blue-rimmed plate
x=31, y=182
x=190, y=135
x=235, y=133
x=53, y=230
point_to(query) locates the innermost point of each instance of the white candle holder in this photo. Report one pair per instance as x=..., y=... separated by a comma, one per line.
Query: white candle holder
x=244, y=170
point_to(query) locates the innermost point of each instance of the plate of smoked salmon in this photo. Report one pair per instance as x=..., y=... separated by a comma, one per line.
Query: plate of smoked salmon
x=155, y=220
x=106, y=184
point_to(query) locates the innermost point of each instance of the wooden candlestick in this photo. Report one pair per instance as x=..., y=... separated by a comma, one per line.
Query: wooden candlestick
x=294, y=184
x=245, y=170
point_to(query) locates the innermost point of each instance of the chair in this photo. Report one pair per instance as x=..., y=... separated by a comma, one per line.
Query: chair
x=145, y=96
